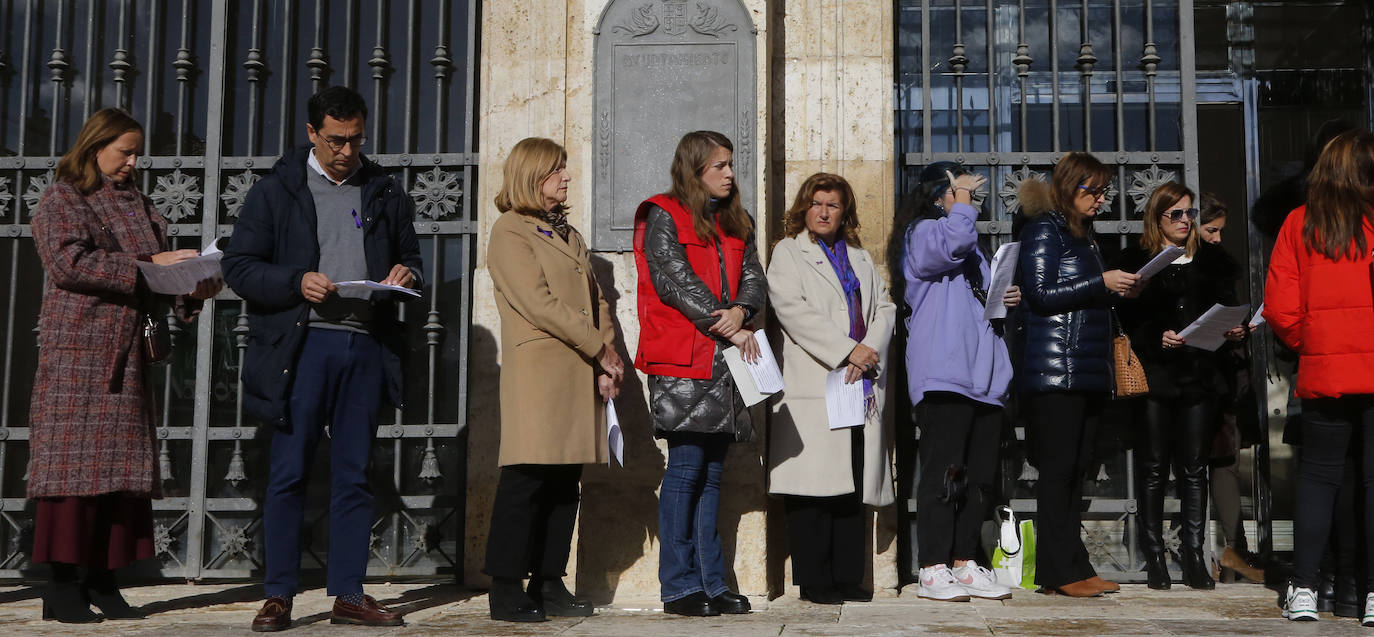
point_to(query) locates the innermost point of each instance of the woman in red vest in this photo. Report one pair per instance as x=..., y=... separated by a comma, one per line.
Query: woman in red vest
x=1318, y=301
x=700, y=283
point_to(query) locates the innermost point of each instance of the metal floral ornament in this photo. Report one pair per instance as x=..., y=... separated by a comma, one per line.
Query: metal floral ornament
x=437, y=193
x=177, y=195
x=236, y=191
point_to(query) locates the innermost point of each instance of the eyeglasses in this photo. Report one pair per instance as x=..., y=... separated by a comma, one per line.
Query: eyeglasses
x=1093, y=191
x=1178, y=214
x=337, y=144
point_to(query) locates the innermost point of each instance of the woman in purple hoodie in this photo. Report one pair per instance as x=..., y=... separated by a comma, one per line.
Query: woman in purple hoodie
x=958, y=374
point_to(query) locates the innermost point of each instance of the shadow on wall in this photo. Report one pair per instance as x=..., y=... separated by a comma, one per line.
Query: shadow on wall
x=484, y=438
x=619, y=517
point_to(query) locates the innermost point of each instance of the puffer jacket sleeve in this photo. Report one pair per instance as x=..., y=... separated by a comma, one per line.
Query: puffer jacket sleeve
x=753, y=283
x=1042, y=247
x=672, y=276
x=1283, y=305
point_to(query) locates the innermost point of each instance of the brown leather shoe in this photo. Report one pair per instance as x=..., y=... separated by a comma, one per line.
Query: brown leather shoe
x=368, y=613
x=274, y=616
x=1081, y=588
x=1104, y=585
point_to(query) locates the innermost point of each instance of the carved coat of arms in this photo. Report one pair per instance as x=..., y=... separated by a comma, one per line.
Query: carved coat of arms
x=675, y=17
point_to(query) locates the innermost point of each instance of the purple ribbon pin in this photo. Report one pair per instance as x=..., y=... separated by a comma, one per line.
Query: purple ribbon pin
x=547, y=233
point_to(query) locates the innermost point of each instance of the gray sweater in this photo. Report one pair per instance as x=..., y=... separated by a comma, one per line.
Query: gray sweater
x=339, y=230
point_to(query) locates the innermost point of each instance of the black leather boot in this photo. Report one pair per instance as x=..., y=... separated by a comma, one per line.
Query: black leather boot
x=1192, y=495
x=63, y=600
x=556, y=599
x=1157, y=570
x=102, y=590
x=1150, y=519
x=509, y=603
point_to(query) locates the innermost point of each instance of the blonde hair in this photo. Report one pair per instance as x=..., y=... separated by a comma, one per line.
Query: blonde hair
x=689, y=162
x=531, y=161
x=794, y=220
x=78, y=166
x=1152, y=238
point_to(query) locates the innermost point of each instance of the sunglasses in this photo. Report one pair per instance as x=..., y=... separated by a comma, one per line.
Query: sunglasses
x=1093, y=191
x=1177, y=214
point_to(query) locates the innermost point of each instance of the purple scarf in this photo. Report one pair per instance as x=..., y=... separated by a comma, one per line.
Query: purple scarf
x=849, y=281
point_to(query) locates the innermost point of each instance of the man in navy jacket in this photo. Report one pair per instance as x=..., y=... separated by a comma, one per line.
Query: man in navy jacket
x=320, y=355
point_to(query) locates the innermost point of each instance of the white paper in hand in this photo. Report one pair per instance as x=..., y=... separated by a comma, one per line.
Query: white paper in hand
x=1258, y=319
x=844, y=402
x=756, y=380
x=1003, y=271
x=1209, y=330
x=1161, y=261
x=373, y=285
x=182, y=278
x=615, y=439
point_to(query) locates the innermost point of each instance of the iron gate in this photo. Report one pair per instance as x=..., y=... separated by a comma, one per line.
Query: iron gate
x=221, y=88
x=1007, y=87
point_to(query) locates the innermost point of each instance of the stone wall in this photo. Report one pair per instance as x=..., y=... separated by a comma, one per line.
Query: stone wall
x=825, y=95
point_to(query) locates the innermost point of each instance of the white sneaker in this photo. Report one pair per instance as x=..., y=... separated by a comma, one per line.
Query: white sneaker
x=938, y=583
x=1301, y=604
x=980, y=582
x=1368, y=619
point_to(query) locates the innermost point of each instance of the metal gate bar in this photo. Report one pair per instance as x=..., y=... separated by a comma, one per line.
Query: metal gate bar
x=209, y=525
x=1012, y=79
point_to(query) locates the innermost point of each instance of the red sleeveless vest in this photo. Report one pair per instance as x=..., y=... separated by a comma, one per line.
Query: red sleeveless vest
x=669, y=343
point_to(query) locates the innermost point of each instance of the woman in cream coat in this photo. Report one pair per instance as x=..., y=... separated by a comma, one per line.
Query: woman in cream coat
x=835, y=313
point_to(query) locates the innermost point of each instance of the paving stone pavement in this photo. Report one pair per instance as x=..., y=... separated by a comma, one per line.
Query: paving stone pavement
x=227, y=609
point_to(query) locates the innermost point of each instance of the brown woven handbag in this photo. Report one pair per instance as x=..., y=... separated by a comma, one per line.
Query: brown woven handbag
x=1128, y=373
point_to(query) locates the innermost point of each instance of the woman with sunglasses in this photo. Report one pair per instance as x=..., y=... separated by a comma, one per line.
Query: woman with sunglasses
x=1180, y=413
x=1065, y=371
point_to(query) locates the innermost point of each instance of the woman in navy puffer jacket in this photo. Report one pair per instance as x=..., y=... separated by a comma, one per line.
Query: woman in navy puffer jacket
x=1065, y=371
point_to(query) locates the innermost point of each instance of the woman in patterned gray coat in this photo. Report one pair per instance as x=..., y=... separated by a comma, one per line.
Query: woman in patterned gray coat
x=92, y=455
x=700, y=283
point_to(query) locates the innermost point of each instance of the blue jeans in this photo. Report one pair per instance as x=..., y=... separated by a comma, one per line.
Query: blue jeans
x=338, y=384
x=689, y=555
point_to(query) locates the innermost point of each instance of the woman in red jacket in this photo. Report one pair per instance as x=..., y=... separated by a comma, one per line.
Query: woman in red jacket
x=1318, y=301
x=700, y=283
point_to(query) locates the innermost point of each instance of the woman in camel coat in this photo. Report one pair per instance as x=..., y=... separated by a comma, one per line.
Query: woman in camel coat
x=828, y=475
x=558, y=367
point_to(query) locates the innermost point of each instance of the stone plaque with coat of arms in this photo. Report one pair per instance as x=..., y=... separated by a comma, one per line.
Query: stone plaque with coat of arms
x=664, y=68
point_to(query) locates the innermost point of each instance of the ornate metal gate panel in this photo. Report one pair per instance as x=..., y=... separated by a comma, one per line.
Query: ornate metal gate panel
x=221, y=88
x=1007, y=87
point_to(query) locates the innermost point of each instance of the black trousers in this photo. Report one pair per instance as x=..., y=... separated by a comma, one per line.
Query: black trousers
x=532, y=521
x=1175, y=432
x=960, y=442
x=1330, y=426
x=1065, y=424
x=826, y=534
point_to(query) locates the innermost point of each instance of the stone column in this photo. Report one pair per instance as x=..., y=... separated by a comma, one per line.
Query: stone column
x=832, y=85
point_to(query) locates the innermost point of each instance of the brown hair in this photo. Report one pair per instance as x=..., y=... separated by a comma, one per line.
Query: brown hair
x=78, y=166
x=531, y=161
x=689, y=162
x=1073, y=170
x=1211, y=208
x=1152, y=238
x=794, y=220
x=1340, y=192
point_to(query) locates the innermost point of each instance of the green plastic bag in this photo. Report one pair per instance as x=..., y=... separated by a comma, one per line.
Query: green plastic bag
x=1013, y=560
